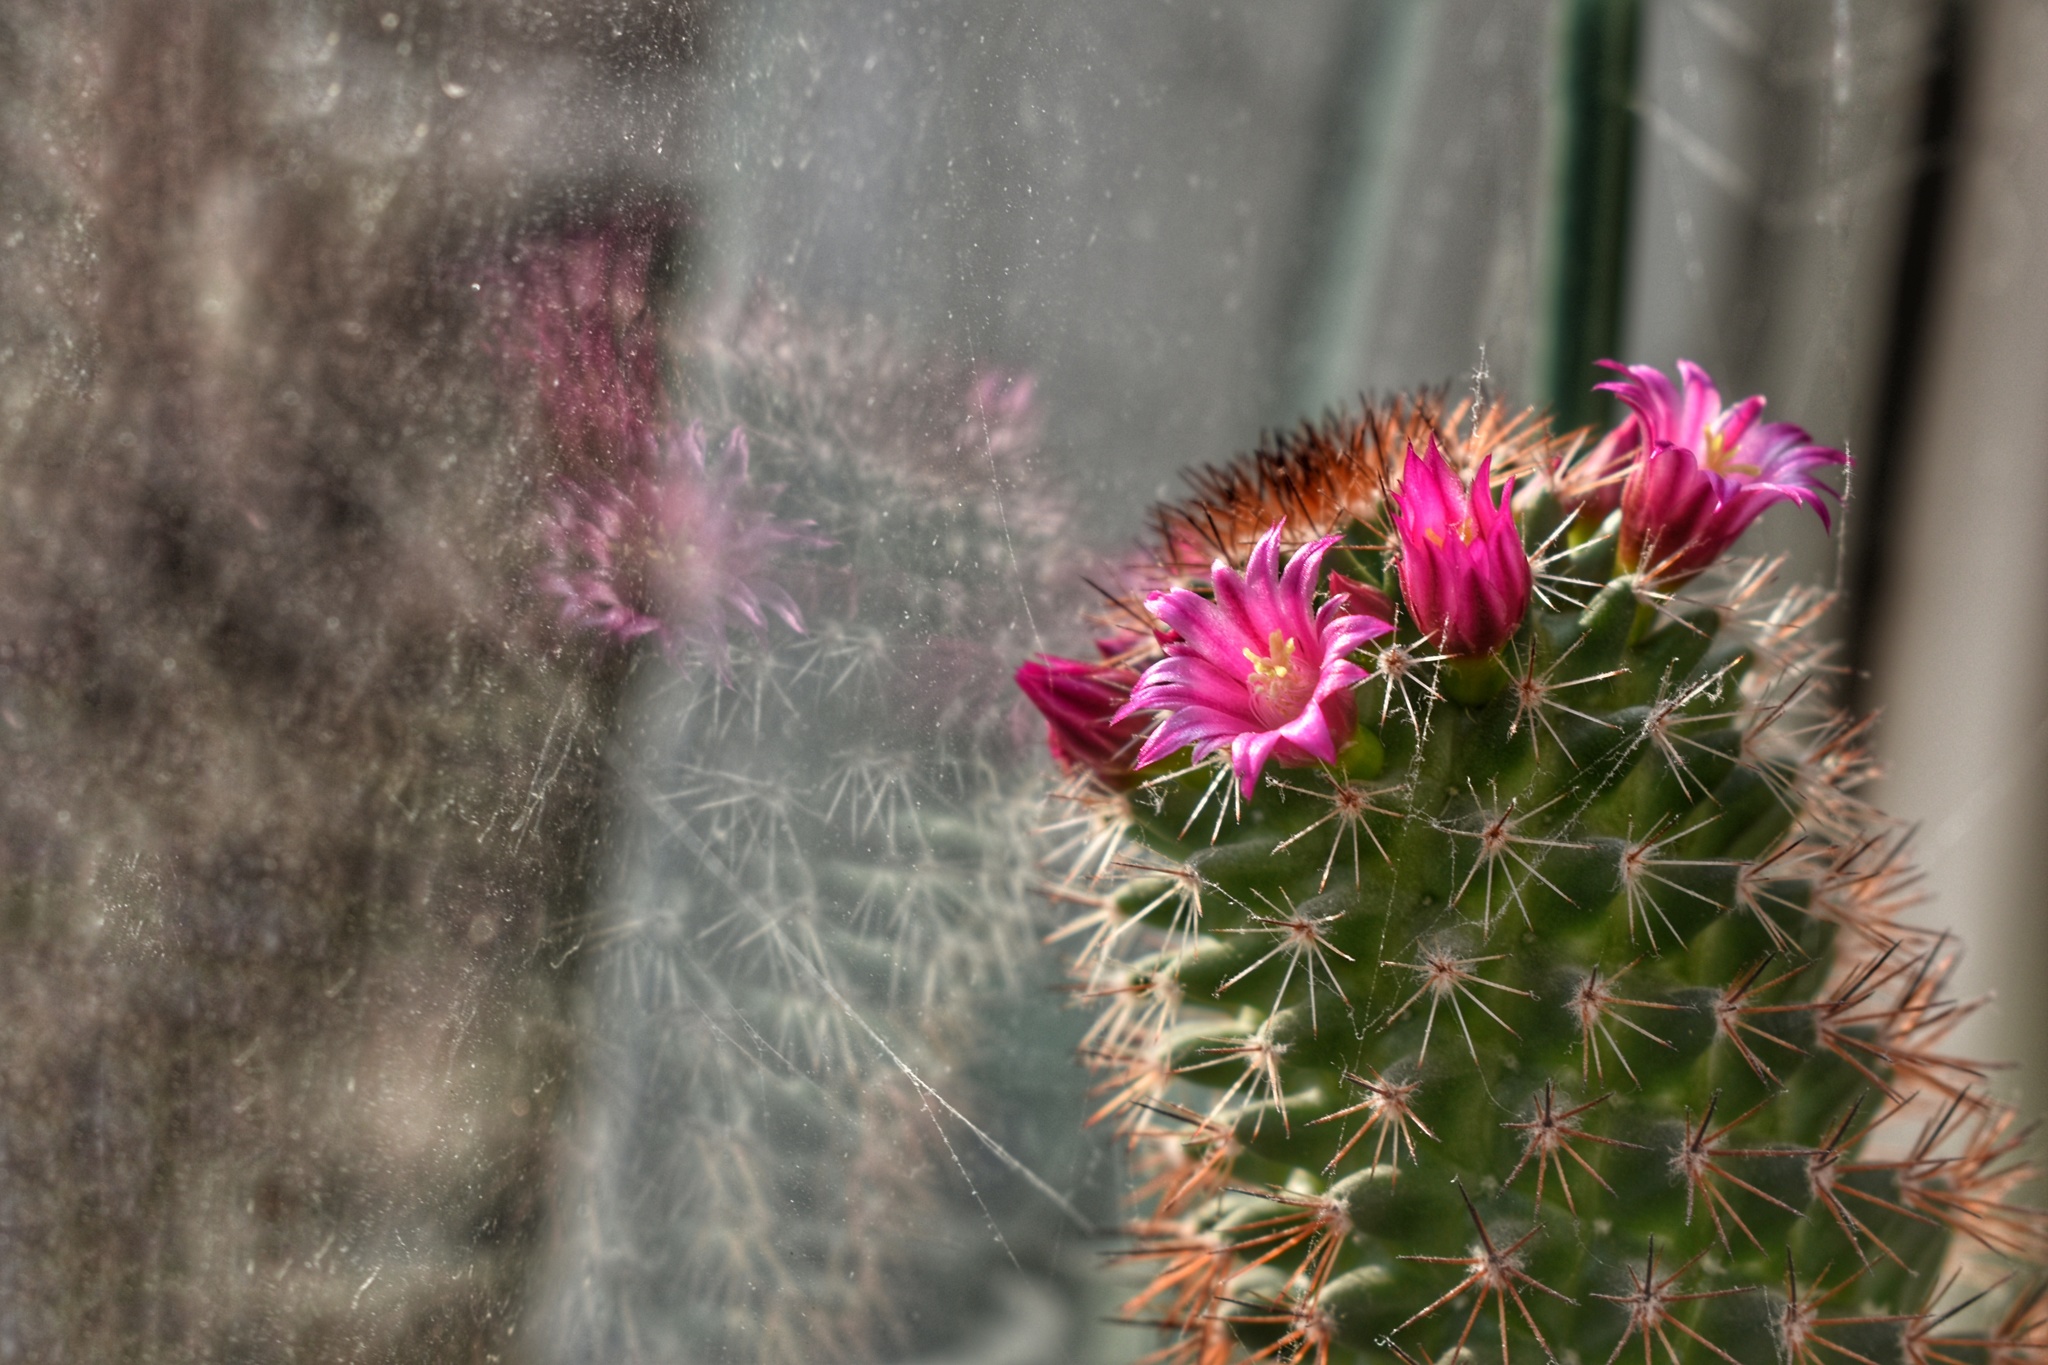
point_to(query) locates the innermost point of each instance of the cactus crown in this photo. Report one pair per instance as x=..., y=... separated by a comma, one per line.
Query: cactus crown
x=1571, y=1011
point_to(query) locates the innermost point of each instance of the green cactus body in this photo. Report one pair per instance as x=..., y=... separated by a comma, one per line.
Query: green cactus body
x=1570, y=1014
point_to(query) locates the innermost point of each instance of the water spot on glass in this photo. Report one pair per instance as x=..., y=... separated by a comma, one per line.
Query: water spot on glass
x=389, y=21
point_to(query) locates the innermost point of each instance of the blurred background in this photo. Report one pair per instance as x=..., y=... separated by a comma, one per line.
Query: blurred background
x=390, y=971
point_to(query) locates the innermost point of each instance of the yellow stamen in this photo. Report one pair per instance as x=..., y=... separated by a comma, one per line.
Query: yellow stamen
x=1717, y=453
x=1280, y=658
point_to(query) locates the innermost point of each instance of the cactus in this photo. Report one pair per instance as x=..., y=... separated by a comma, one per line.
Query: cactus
x=835, y=837
x=1538, y=983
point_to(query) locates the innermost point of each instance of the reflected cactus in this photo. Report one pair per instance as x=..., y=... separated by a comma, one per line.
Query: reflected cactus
x=1569, y=1004
x=646, y=535
x=831, y=884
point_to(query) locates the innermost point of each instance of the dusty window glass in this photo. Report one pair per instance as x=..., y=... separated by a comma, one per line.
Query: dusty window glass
x=520, y=839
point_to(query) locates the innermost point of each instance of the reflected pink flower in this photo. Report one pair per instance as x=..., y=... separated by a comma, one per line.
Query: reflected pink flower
x=582, y=324
x=1003, y=416
x=1464, y=574
x=1257, y=669
x=1081, y=703
x=1705, y=472
x=672, y=550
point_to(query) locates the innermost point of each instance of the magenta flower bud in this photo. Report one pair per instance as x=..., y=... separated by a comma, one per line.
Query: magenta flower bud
x=1361, y=599
x=1464, y=574
x=1591, y=484
x=1081, y=702
x=1705, y=472
x=1258, y=670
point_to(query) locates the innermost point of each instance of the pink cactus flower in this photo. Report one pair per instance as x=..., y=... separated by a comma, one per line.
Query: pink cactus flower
x=1464, y=574
x=1705, y=472
x=1081, y=702
x=1257, y=670
x=672, y=549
